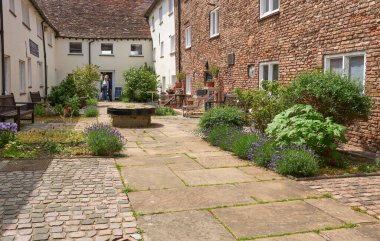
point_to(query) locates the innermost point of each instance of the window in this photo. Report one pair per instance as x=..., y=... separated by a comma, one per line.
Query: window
x=136, y=50
x=40, y=32
x=7, y=63
x=50, y=39
x=30, y=76
x=214, y=23
x=268, y=7
x=172, y=44
x=154, y=54
x=153, y=27
x=171, y=6
x=269, y=71
x=40, y=70
x=163, y=88
x=174, y=79
x=106, y=49
x=22, y=76
x=188, y=84
x=188, y=37
x=75, y=48
x=160, y=15
x=162, y=46
x=351, y=65
x=12, y=7
x=25, y=15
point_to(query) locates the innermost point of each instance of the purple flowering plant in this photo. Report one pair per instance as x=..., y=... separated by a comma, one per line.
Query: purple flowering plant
x=7, y=133
x=107, y=129
x=12, y=127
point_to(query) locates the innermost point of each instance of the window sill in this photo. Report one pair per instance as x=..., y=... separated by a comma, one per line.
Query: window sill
x=29, y=87
x=40, y=37
x=41, y=86
x=73, y=54
x=138, y=56
x=22, y=93
x=188, y=48
x=107, y=55
x=13, y=13
x=172, y=53
x=215, y=36
x=162, y=57
x=171, y=13
x=50, y=45
x=265, y=16
x=161, y=22
x=26, y=26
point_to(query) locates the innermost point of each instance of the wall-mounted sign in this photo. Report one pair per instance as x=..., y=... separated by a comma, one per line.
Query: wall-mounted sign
x=34, y=48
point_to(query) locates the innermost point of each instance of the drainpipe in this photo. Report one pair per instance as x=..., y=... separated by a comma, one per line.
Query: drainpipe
x=179, y=37
x=2, y=49
x=45, y=58
x=89, y=51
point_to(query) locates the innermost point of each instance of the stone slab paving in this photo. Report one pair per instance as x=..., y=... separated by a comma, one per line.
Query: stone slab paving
x=72, y=199
x=361, y=192
x=261, y=173
x=224, y=161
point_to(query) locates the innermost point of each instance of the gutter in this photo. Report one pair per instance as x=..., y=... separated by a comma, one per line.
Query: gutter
x=89, y=51
x=45, y=58
x=2, y=49
x=179, y=38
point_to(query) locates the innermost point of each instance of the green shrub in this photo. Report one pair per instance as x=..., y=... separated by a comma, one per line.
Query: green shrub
x=165, y=111
x=298, y=162
x=92, y=101
x=103, y=140
x=377, y=162
x=60, y=93
x=17, y=150
x=230, y=116
x=223, y=136
x=39, y=110
x=262, y=151
x=139, y=81
x=261, y=105
x=54, y=147
x=243, y=144
x=302, y=125
x=367, y=168
x=85, y=80
x=91, y=112
x=71, y=106
x=6, y=136
x=331, y=95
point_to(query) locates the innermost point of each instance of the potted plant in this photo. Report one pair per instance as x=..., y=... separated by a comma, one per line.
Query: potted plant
x=170, y=90
x=200, y=91
x=180, y=77
x=213, y=71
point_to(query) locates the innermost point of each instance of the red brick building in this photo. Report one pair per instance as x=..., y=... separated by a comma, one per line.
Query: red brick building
x=280, y=39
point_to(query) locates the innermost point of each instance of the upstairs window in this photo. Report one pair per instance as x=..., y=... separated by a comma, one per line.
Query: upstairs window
x=160, y=15
x=76, y=48
x=12, y=7
x=172, y=44
x=269, y=71
x=152, y=24
x=214, y=23
x=50, y=39
x=188, y=37
x=136, y=50
x=171, y=6
x=25, y=15
x=40, y=32
x=351, y=65
x=268, y=7
x=106, y=49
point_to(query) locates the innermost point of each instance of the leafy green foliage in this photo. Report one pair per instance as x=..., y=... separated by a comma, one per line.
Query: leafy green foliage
x=65, y=90
x=262, y=151
x=17, y=150
x=165, y=111
x=298, y=162
x=330, y=94
x=54, y=147
x=39, y=110
x=230, y=116
x=92, y=101
x=261, y=105
x=302, y=125
x=71, y=106
x=86, y=80
x=91, y=112
x=223, y=136
x=139, y=81
x=6, y=136
x=243, y=144
x=367, y=168
x=103, y=140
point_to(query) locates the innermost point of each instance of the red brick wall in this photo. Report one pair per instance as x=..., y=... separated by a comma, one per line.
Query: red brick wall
x=298, y=37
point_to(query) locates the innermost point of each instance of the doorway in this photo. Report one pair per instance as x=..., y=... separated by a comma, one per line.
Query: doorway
x=110, y=85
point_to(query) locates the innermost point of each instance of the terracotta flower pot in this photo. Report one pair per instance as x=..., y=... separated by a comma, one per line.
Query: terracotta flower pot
x=178, y=85
x=210, y=84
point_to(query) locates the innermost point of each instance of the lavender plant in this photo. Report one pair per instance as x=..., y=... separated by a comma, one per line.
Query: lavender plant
x=7, y=133
x=262, y=151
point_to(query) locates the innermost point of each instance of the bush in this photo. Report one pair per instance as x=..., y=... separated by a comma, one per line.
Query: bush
x=261, y=105
x=138, y=81
x=230, y=116
x=302, y=125
x=243, y=144
x=39, y=110
x=71, y=106
x=7, y=133
x=92, y=101
x=330, y=94
x=223, y=136
x=60, y=93
x=91, y=112
x=262, y=151
x=103, y=140
x=86, y=80
x=298, y=162
x=54, y=147
x=165, y=111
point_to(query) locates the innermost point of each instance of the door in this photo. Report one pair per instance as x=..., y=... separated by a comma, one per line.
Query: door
x=110, y=84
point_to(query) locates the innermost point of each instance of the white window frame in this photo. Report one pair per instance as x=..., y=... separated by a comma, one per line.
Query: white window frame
x=163, y=84
x=40, y=31
x=7, y=71
x=12, y=6
x=161, y=15
x=74, y=53
x=162, y=49
x=154, y=54
x=50, y=39
x=188, y=84
x=30, y=73
x=133, y=54
x=263, y=14
x=346, y=61
x=22, y=73
x=40, y=70
x=25, y=14
x=106, y=52
x=214, y=23
x=172, y=44
x=153, y=23
x=270, y=70
x=171, y=6
x=188, y=37
x=173, y=80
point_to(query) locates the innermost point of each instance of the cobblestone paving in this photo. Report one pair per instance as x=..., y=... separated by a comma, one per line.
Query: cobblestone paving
x=78, y=199
x=360, y=192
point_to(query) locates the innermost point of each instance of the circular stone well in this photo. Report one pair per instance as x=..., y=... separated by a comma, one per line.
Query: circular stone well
x=126, y=116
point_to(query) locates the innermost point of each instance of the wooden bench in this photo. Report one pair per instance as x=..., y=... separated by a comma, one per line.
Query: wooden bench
x=10, y=109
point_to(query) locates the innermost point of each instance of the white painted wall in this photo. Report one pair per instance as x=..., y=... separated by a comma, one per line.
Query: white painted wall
x=118, y=63
x=165, y=66
x=16, y=43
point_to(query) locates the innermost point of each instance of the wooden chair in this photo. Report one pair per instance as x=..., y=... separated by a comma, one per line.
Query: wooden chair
x=36, y=98
x=10, y=109
x=193, y=107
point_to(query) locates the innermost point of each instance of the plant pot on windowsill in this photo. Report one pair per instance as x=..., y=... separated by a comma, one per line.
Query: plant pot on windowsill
x=210, y=84
x=201, y=92
x=170, y=92
x=178, y=85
